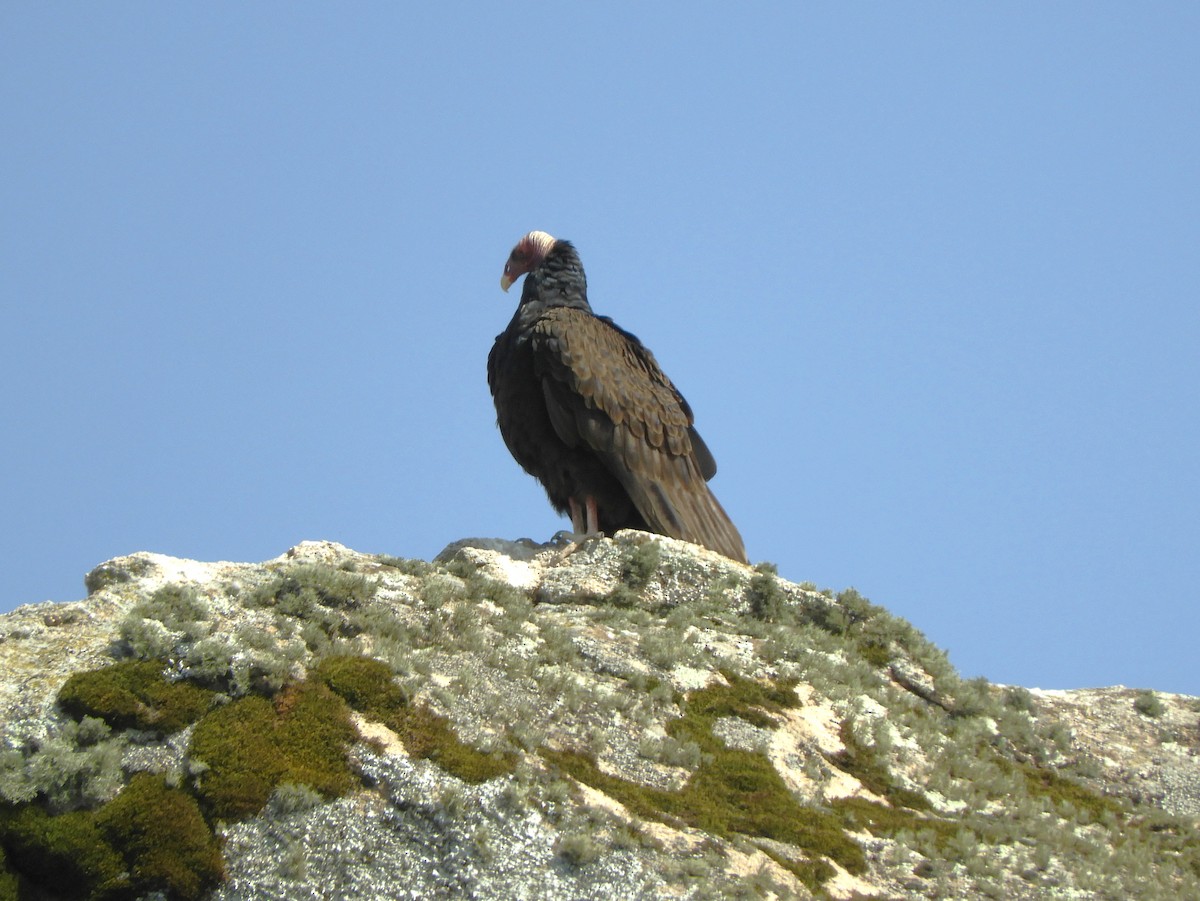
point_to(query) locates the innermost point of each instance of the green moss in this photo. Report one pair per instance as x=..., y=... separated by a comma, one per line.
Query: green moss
x=811, y=873
x=67, y=854
x=735, y=792
x=134, y=694
x=368, y=686
x=753, y=701
x=243, y=765
x=152, y=838
x=148, y=838
x=881, y=820
x=439, y=744
x=740, y=791
x=863, y=764
x=8, y=879
x=252, y=745
x=165, y=841
x=732, y=792
x=1059, y=790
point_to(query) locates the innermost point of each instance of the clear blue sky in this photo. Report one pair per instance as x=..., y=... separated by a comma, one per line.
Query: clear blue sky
x=928, y=275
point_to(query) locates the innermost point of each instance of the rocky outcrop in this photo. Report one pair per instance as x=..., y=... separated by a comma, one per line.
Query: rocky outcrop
x=629, y=718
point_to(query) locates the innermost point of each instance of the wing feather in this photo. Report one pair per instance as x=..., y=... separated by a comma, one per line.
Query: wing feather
x=605, y=390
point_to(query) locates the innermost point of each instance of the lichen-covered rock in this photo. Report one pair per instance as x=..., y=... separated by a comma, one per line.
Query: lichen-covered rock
x=631, y=717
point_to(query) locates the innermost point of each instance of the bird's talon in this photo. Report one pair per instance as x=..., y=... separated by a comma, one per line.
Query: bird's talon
x=570, y=542
x=564, y=537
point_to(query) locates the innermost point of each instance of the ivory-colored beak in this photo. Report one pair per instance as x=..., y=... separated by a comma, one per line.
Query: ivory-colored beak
x=505, y=283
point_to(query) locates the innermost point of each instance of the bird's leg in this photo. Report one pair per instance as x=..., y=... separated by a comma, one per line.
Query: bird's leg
x=577, y=520
x=585, y=525
x=585, y=518
x=593, y=518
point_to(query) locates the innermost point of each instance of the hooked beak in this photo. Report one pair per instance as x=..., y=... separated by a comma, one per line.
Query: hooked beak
x=505, y=283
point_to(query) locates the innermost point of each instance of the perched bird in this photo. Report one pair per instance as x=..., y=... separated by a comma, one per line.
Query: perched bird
x=585, y=409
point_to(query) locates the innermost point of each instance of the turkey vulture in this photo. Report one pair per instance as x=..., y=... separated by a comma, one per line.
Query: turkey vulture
x=585, y=409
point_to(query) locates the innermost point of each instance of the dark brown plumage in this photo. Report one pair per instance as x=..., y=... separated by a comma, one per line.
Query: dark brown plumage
x=584, y=408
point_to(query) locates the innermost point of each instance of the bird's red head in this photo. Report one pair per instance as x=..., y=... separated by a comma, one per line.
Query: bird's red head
x=526, y=256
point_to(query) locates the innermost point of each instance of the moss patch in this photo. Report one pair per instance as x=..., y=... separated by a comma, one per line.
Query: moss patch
x=148, y=838
x=8, y=879
x=165, y=841
x=67, y=854
x=254, y=744
x=367, y=686
x=134, y=694
x=811, y=873
x=878, y=819
x=738, y=792
x=863, y=764
x=1045, y=783
x=753, y=701
x=733, y=791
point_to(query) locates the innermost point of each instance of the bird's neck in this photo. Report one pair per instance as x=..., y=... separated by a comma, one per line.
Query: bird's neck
x=558, y=282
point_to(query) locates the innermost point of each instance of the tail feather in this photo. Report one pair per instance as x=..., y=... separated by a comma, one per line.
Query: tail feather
x=686, y=508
